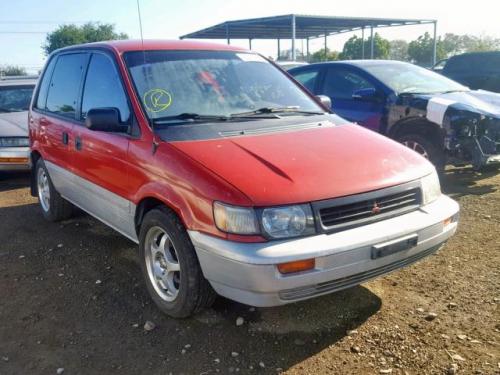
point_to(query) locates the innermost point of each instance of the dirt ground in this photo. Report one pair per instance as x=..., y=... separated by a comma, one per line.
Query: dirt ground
x=72, y=298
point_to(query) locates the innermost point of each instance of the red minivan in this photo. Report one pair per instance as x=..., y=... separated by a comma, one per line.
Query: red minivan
x=232, y=179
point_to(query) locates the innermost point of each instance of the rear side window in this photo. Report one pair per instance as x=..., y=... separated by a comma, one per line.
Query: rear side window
x=103, y=87
x=307, y=79
x=65, y=84
x=44, y=85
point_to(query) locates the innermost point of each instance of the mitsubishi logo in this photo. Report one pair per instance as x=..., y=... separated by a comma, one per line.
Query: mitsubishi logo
x=375, y=208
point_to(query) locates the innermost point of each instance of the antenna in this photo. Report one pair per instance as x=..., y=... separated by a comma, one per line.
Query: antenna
x=140, y=23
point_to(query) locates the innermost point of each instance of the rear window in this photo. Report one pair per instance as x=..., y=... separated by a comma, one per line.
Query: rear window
x=15, y=98
x=65, y=84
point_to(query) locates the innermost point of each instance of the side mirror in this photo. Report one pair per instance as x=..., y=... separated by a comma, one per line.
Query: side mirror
x=368, y=94
x=325, y=101
x=105, y=119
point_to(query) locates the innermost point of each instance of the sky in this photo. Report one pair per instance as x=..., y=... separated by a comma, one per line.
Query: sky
x=24, y=23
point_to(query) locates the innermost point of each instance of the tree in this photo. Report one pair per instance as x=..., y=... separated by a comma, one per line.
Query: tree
x=421, y=50
x=354, y=46
x=67, y=35
x=286, y=55
x=12, y=70
x=322, y=56
x=399, y=50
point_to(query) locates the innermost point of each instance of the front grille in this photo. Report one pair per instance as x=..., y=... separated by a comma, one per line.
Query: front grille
x=348, y=212
x=350, y=281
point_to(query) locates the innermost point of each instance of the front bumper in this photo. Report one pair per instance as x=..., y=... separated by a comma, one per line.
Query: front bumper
x=247, y=273
x=14, y=158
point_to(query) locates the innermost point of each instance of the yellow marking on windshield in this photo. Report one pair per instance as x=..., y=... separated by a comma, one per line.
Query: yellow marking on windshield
x=157, y=100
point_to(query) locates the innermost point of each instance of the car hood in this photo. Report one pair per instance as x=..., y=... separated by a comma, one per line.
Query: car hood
x=14, y=124
x=308, y=165
x=475, y=101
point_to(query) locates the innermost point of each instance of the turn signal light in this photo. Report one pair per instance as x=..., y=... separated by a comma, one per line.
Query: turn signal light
x=14, y=160
x=296, y=266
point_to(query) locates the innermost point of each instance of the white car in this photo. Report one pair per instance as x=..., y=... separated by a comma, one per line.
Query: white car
x=15, y=97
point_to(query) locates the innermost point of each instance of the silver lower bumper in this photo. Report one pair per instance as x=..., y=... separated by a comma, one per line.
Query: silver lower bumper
x=14, y=153
x=247, y=273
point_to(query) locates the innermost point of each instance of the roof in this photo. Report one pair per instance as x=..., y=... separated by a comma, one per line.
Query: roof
x=306, y=26
x=151, y=45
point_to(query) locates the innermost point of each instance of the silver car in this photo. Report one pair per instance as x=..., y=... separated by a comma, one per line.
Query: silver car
x=15, y=96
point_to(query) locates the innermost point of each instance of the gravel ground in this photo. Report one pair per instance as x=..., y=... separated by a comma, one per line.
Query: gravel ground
x=72, y=301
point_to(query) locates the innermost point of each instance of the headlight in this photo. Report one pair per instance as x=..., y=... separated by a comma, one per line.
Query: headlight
x=273, y=222
x=236, y=220
x=14, y=142
x=431, y=190
x=288, y=221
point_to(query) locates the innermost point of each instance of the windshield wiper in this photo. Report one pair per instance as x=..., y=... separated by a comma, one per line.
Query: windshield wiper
x=275, y=110
x=189, y=117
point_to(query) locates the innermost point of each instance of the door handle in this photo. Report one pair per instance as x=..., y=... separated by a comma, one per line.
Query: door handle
x=78, y=143
x=65, y=138
x=43, y=121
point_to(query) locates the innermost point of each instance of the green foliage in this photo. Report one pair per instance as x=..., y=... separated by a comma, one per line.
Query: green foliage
x=421, y=50
x=398, y=50
x=322, y=56
x=354, y=46
x=286, y=55
x=454, y=44
x=12, y=70
x=67, y=35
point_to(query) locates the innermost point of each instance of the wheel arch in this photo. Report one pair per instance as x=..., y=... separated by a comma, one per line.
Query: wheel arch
x=149, y=203
x=420, y=126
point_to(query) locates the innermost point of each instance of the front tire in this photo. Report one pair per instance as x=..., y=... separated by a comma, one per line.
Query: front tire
x=170, y=266
x=428, y=148
x=54, y=207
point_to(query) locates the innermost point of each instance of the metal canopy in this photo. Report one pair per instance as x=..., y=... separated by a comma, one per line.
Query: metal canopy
x=306, y=27
x=299, y=26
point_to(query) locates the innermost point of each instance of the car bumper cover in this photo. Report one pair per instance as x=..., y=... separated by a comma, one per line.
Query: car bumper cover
x=14, y=158
x=247, y=272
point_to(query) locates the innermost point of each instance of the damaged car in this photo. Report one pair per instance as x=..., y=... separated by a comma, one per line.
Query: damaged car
x=439, y=118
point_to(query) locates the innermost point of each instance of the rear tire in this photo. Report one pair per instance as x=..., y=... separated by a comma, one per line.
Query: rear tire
x=170, y=266
x=54, y=207
x=427, y=147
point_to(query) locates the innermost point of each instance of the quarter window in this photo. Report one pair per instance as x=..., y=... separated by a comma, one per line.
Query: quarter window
x=103, y=87
x=44, y=85
x=65, y=84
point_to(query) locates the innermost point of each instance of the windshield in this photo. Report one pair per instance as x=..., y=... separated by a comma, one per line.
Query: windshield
x=409, y=78
x=212, y=83
x=15, y=98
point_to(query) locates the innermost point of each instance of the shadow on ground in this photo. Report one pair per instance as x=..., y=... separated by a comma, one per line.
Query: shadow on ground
x=462, y=181
x=72, y=293
x=13, y=180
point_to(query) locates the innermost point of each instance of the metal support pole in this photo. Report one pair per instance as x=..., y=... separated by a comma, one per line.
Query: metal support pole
x=434, y=48
x=307, y=48
x=279, y=50
x=363, y=42
x=227, y=34
x=372, y=47
x=250, y=43
x=326, y=47
x=294, y=57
